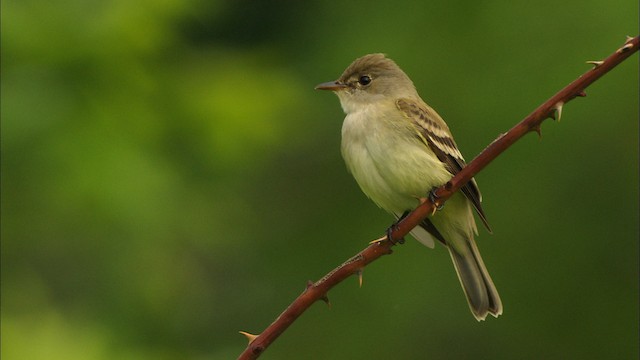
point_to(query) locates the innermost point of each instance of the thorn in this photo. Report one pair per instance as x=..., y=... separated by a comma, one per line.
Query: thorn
x=537, y=129
x=359, y=277
x=595, y=63
x=249, y=336
x=582, y=94
x=625, y=48
x=325, y=298
x=557, y=114
x=629, y=38
x=378, y=241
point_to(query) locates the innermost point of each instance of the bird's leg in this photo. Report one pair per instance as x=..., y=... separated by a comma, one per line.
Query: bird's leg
x=433, y=197
x=393, y=227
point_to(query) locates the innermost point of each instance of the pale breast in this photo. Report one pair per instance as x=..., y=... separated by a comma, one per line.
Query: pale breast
x=391, y=165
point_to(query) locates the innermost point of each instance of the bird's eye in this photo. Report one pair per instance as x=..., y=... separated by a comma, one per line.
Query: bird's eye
x=364, y=80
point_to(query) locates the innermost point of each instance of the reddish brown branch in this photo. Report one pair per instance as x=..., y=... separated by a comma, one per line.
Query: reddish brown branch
x=552, y=108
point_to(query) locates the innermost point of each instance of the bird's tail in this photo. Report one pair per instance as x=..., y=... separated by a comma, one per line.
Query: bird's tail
x=478, y=287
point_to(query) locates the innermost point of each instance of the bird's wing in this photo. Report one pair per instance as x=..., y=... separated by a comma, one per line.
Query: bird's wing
x=434, y=132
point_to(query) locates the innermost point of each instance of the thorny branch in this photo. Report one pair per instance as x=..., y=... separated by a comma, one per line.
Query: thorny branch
x=552, y=108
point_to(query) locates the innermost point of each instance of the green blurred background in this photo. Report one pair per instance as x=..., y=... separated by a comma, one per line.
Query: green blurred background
x=170, y=177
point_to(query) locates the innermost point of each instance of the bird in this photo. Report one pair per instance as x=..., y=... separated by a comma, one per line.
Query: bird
x=399, y=149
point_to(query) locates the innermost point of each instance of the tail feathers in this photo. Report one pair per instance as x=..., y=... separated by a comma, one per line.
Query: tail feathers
x=478, y=287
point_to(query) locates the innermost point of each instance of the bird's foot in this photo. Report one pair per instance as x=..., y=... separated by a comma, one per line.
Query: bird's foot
x=393, y=227
x=434, y=198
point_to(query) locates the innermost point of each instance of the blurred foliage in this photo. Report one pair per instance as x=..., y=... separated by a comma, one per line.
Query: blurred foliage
x=170, y=177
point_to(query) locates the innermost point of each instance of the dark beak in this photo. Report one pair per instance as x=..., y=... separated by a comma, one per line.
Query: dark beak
x=331, y=85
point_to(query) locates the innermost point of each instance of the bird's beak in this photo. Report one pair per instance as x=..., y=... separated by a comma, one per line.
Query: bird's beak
x=331, y=85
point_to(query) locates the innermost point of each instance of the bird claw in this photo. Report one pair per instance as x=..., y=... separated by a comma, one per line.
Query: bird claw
x=390, y=238
x=433, y=197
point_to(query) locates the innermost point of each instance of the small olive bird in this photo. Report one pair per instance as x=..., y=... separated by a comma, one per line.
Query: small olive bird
x=399, y=149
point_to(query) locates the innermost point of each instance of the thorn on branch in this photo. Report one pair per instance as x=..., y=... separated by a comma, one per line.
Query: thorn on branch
x=359, y=272
x=595, y=63
x=249, y=336
x=625, y=48
x=537, y=129
x=325, y=298
x=582, y=94
x=557, y=111
x=378, y=241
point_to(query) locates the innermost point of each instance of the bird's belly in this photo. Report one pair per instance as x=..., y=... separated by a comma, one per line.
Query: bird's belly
x=395, y=170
